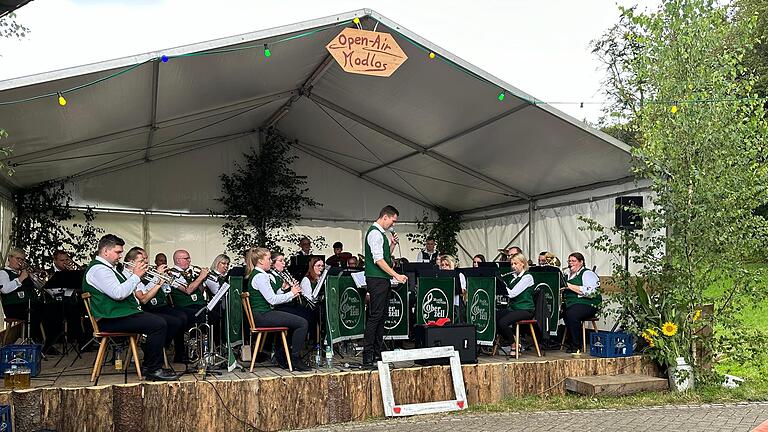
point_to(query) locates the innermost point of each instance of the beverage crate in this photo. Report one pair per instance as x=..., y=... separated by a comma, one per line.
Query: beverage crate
x=19, y=356
x=5, y=419
x=610, y=344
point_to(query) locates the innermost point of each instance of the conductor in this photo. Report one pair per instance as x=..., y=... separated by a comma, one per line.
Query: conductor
x=378, y=272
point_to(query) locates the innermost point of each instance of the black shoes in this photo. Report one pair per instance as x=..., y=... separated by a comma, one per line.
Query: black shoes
x=299, y=365
x=280, y=360
x=161, y=375
x=369, y=360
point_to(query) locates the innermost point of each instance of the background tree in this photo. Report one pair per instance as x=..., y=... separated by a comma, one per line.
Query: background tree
x=445, y=230
x=702, y=144
x=40, y=225
x=9, y=28
x=263, y=197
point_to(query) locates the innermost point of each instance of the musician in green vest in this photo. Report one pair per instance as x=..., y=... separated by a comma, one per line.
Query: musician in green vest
x=264, y=294
x=115, y=308
x=188, y=294
x=581, y=297
x=378, y=272
x=520, y=293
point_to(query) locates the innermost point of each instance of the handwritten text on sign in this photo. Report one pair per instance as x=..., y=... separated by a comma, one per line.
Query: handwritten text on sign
x=366, y=52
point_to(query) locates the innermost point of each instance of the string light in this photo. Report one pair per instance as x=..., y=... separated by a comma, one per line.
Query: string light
x=356, y=20
x=164, y=59
x=502, y=95
x=432, y=55
x=267, y=52
x=62, y=101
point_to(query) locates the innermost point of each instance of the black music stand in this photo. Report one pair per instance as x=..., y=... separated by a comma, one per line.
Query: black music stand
x=57, y=285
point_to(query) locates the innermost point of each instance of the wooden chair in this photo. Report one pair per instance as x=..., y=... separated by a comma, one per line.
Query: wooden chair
x=104, y=338
x=261, y=333
x=530, y=324
x=583, y=333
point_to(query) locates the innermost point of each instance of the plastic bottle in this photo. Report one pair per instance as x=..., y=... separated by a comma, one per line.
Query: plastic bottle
x=118, y=358
x=329, y=356
x=318, y=356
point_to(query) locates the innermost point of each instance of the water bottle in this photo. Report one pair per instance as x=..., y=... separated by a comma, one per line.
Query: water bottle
x=318, y=357
x=329, y=356
x=118, y=358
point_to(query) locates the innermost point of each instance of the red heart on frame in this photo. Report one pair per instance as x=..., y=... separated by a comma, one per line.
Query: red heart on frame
x=396, y=410
x=460, y=404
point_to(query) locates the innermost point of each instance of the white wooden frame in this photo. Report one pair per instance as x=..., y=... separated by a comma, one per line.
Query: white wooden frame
x=393, y=410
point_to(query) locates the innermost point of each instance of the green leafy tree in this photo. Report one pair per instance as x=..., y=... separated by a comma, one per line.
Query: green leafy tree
x=263, y=197
x=39, y=225
x=445, y=231
x=9, y=28
x=702, y=146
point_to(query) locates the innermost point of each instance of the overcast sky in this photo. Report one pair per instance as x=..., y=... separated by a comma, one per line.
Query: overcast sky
x=539, y=46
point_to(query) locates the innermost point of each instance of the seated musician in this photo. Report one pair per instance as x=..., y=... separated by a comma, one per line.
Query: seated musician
x=336, y=259
x=116, y=309
x=20, y=295
x=543, y=258
x=74, y=309
x=447, y=262
x=520, y=293
x=265, y=294
x=352, y=262
x=161, y=259
x=188, y=295
x=299, y=306
x=152, y=296
x=219, y=269
x=62, y=262
x=477, y=259
x=581, y=297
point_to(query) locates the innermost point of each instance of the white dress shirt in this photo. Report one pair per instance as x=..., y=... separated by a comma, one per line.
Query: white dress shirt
x=262, y=282
x=104, y=278
x=306, y=288
x=7, y=285
x=590, y=282
x=376, y=243
x=524, y=282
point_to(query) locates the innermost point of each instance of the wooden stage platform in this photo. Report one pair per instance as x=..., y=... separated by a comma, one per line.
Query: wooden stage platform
x=271, y=398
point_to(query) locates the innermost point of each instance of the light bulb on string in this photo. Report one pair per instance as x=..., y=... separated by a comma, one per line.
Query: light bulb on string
x=502, y=95
x=267, y=52
x=356, y=20
x=164, y=59
x=61, y=99
x=432, y=55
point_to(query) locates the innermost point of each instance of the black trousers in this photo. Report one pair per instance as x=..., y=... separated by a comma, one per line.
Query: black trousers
x=373, y=340
x=142, y=323
x=49, y=314
x=297, y=327
x=176, y=321
x=573, y=316
x=506, y=318
x=311, y=315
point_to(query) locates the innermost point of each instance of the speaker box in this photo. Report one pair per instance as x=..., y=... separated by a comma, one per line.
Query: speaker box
x=460, y=336
x=626, y=219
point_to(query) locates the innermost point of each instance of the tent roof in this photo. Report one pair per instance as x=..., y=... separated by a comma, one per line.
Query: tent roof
x=8, y=6
x=434, y=132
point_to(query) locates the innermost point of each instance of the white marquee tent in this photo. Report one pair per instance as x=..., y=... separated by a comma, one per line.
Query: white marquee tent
x=145, y=141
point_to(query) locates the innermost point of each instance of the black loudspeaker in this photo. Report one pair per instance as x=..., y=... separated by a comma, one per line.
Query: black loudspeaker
x=626, y=219
x=460, y=336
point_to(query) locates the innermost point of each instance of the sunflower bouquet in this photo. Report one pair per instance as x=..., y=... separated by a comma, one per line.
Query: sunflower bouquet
x=671, y=338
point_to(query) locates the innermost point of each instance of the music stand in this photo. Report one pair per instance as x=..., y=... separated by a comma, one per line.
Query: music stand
x=62, y=285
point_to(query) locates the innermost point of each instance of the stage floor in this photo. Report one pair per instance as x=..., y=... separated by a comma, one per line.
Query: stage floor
x=73, y=372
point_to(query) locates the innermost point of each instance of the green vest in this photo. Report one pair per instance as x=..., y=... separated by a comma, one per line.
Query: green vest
x=371, y=269
x=571, y=298
x=22, y=294
x=278, y=282
x=182, y=299
x=104, y=306
x=159, y=300
x=524, y=300
x=258, y=303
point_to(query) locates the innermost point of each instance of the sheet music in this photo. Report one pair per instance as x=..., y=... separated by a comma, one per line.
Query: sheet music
x=219, y=294
x=320, y=282
x=359, y=279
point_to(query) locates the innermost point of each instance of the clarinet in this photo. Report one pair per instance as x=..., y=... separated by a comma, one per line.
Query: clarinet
x=302, y=299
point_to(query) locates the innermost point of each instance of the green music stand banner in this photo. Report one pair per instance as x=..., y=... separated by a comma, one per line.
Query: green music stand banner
x=434, y=299
x=396, y=323
x=235, y=319
x=481, y=308
x=344, y=309
x=549, y=284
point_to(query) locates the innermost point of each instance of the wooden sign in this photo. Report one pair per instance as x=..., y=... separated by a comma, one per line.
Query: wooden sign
x=366, y=52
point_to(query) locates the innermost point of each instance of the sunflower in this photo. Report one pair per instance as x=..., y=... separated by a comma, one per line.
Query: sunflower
x=669, y=329
x=652, y=332
x=697, y=315
x=650, y=342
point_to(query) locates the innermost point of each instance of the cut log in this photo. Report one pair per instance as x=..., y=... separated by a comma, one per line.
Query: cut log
x=615, y=385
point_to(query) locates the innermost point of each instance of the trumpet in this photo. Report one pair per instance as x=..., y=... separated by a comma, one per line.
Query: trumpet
x=37, y=276
x=164, y=278
x=211, y=276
